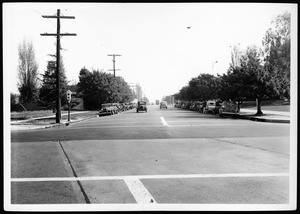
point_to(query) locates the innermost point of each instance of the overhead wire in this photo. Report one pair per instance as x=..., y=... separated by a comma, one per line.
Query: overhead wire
x=86, y=20
x=89, y=24
x=42, y=15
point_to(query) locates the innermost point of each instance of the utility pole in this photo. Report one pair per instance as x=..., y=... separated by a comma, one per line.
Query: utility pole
x=58, y=35
x=114, y=69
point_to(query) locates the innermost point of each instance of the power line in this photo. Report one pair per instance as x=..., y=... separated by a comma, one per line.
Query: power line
x=89, y=24
x=42, y=15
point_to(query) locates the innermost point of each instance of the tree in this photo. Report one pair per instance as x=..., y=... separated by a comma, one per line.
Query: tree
x=255, y=80
x=98, y=87
x=27, y=72
x=233, y=85
x=48, y=95
x=121, y=90
x=183, y=93
x=203, y=87
x=276, y=45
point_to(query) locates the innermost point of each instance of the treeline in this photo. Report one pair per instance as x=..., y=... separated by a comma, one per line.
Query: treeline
x=94, y=87
x=258, y=73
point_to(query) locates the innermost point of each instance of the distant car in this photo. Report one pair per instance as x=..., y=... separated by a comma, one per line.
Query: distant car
x=212, y=106
x=163, y=104
x=141, y=106
x=228, y=107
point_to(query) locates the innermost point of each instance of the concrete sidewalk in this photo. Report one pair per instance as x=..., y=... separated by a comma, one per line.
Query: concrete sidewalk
x=45, y=117
x=19, y=125
x=268, y=116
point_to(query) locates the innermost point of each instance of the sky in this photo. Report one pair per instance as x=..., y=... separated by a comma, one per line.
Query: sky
x=162, y=45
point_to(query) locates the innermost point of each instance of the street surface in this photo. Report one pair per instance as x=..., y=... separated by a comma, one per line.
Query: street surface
x=171, y=156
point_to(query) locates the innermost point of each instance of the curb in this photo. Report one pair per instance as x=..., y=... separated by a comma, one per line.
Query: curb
x=253, y=118
x=59, y=124
x=269, y=120
x=77, y=121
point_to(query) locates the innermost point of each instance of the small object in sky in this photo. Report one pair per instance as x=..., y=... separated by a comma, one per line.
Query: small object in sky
x=216, y=61
x=188, y=27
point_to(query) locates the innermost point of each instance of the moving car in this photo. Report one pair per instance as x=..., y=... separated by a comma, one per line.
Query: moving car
x=163, y=104
x=141, y=106
x=228, y=107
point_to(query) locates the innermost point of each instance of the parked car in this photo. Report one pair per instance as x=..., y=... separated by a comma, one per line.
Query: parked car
x=141, y=106
x=228, y=107
x=163, y=104
x=192, y=104
x=195, y=106
x=108, y=109
x=182, y=105
x=178, y=104
x=186, y=105
x=202, y=106
x=212, y=106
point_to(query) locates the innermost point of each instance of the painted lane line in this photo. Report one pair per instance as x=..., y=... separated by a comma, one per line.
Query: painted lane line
x=163, y=121
x=139, y=191
x=134, y=177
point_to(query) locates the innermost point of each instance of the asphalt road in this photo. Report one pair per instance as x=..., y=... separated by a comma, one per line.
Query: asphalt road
x=171, y=156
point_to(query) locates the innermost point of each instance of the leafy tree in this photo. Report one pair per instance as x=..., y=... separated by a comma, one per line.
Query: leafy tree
x=276, y=45
x=48, y=95
x=27, y=72
x=203, y=87
x=183, y=93
x=98, y=87
x=233, y=85
x=121, y=90
x=255, y=80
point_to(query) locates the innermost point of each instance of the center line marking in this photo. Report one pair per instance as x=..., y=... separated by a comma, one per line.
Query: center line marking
x=139, y=191
x=163, y=121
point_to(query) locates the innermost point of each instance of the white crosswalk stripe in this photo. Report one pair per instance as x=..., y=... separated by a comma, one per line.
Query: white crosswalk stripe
x=139, y=192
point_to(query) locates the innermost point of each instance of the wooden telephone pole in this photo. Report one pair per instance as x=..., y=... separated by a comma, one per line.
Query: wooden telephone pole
x=58, y=35
x=114, y=61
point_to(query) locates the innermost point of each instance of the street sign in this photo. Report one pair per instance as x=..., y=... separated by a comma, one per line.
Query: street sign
x=69, y=94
